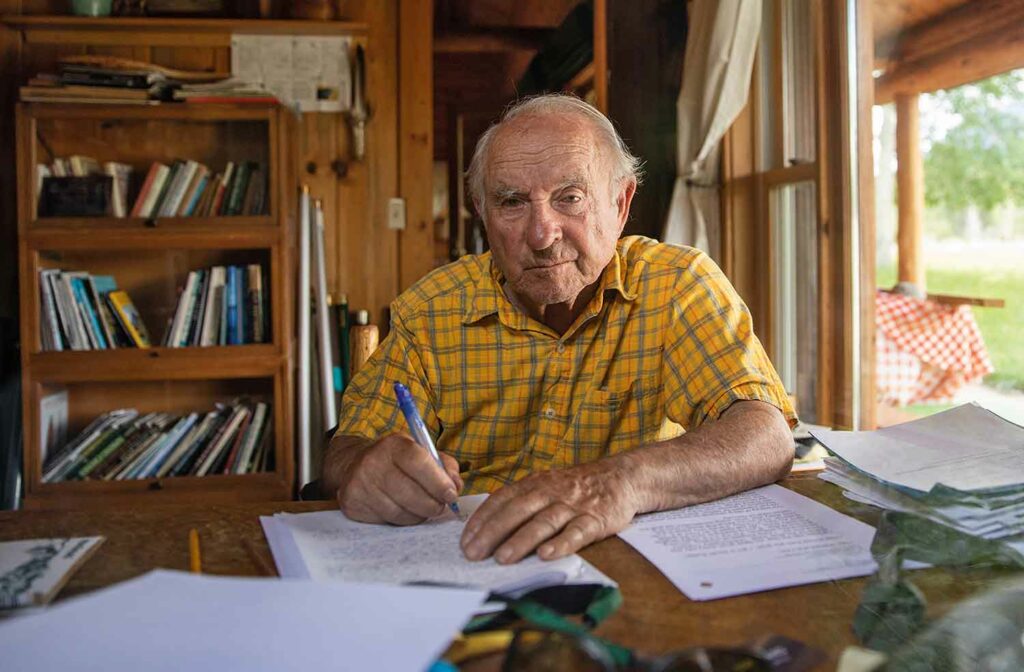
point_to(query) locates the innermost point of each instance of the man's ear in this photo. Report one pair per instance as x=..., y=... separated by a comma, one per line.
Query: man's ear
x=623, y=200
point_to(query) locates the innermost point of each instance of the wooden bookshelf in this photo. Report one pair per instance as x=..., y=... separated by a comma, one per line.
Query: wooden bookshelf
x=150, y=258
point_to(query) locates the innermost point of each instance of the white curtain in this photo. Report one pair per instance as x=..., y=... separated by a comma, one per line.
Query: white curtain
x=722, y=39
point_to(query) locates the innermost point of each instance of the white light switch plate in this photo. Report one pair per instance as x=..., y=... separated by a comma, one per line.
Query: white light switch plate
x=396, y=214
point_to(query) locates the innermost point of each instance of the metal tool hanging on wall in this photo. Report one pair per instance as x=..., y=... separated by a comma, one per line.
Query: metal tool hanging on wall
x=359, y=113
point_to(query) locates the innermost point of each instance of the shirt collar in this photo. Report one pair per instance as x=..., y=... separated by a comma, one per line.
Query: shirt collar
x=487, y=296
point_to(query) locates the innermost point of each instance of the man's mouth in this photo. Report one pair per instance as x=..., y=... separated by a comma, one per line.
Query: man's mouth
x=547, y=265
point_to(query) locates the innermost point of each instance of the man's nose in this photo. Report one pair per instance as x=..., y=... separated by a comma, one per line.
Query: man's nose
x=544, y=227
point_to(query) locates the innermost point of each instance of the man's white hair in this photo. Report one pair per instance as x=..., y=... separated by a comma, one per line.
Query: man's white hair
x=623, y=164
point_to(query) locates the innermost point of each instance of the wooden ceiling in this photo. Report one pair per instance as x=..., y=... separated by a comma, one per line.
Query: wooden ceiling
x=925, y=45
x=481, y=49
x=891, y=18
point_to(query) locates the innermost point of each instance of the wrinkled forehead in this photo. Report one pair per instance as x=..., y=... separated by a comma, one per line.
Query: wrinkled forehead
x=548, y=148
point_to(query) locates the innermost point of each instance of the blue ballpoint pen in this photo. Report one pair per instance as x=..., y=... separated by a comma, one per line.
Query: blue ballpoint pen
x=419, y=430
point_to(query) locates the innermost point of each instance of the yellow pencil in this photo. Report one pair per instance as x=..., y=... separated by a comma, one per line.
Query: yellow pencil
x=195, y=562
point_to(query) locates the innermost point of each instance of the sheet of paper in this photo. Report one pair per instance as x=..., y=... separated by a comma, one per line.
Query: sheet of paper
x=310, y=72
x=967, y=448
x=175, y=621
x=759, y=540
x=33, y=570
x=325, y=545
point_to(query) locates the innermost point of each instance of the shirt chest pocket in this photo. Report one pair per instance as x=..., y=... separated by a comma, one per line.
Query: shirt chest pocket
x=611, y=421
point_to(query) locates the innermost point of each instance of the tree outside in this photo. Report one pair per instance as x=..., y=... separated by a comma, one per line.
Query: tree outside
x=973, y=148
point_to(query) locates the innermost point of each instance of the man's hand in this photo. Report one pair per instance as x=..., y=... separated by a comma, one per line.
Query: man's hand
x=395, y=480
x=558, y=511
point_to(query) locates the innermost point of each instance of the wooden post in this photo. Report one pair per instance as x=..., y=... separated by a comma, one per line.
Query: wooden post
x=910, y=185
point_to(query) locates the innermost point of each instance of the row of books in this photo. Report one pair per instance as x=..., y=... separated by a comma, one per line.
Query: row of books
x=124, y=445
x=188, y=189
x=79, y=311
x=222, y=305
x=185, y=188
x=79, y=83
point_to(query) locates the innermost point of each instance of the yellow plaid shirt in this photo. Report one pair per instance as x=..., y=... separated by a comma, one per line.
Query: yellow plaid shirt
x=665, y=343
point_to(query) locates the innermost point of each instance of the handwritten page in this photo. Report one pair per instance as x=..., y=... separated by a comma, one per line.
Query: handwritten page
x=325, y=545
x=175, y=621
x=759, y=540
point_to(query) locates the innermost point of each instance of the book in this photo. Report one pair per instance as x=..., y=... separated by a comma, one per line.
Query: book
x=211, y=311
x=252, y=437
x=71, y=315
x=231, y=292
x=49, y=324
x=183, y=311
x=220, y=451
x=236, y=445
x=176, y=191
x=81, y=166
x=254, y=303
x=88, y=313
x=129, y=318
x=152, y=190
x=121, y=174
x=237, y=190
x=173, y=174
x=53, y=424
x=32, y=571
x=104, y=284
x=222, y=189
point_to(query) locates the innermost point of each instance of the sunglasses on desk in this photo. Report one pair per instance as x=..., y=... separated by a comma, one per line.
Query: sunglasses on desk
x=545, y=650
x=535, y=633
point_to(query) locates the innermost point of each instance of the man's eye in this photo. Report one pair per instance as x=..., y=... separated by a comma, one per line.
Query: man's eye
x=510, y=202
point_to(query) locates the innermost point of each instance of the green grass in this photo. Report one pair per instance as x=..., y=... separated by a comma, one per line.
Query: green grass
x=1002, y=328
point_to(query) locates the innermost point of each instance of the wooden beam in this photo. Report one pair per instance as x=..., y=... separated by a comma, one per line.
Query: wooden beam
x=866, y=215
x=910, y=188
x=973, y=42
x=491, y=40
x=415, y=139
x=978, y=301
x=601, y=55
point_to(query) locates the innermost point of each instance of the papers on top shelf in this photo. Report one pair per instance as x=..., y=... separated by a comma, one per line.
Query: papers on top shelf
x=325, y=545
x=175, y=621
x=312, y=72
x=966, y=448
x=32, y=571
x=758, y=540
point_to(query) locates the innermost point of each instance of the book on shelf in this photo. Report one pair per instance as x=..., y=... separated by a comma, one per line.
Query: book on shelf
x=79, y=311
x=188, y=188
x=53, y=423
x=185, y=188
x=129, y=319
x=126, y=445
x=222, y=305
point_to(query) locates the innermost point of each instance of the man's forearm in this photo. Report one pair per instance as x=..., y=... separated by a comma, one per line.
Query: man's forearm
x=748, y=446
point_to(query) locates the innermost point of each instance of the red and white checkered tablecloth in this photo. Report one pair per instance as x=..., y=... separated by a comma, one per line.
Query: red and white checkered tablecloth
x=926, y=351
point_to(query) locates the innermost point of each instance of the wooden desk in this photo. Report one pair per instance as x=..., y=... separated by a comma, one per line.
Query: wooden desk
x=655, y=616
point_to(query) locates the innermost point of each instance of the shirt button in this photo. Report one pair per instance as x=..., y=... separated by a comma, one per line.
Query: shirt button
x=549, y=412
x=560, y=348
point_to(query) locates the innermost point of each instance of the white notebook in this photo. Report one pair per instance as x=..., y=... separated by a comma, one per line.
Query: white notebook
x=325, y=545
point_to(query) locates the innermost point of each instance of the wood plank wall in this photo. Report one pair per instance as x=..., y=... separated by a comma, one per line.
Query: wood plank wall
x=366, y=260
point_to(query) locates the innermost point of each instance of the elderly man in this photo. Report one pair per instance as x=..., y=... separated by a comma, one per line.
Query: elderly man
x=555, y=371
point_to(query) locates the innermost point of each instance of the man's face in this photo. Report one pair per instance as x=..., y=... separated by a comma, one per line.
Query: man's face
x=552, y=214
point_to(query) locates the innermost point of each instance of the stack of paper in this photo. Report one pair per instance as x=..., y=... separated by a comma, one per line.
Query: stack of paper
x=963, y=468
x=175, y=621
x=757, y=540
x=325, y=546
